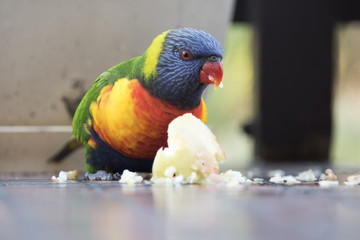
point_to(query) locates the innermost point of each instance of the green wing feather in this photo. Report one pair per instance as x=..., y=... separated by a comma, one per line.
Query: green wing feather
x=130, y=69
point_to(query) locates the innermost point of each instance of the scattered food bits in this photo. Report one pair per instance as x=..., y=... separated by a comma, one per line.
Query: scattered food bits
x=327, y=183
x=130, y=178
x=350, y=183
x=352, y=180
x=306, y=176
x=329, y=179
x=65, y=176
x=277, y=179
x=290, y=180
x=231, y=177
x=330, y=175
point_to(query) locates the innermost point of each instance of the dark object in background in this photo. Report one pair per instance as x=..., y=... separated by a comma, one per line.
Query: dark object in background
x=69, y=147
x=71, y=101
x=294, y=62
x=294, y=68
x=345, y=10
x=73, y=98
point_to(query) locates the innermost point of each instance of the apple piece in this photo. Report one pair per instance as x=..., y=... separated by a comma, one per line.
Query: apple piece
x=192, y=151
x=65, y=176
x=130, y=178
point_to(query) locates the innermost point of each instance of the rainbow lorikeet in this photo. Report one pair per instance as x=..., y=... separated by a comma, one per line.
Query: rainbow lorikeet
x=122, y=120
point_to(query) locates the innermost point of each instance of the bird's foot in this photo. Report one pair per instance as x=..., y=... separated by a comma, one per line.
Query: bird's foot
x=102, y=175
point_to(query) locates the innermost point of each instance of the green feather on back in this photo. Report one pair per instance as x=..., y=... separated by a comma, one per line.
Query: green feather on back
x=129, y=69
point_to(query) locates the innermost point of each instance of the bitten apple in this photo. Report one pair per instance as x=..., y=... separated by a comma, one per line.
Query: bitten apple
x=192, y=151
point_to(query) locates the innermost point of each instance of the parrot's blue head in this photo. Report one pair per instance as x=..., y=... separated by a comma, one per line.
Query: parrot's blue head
x=181, y=63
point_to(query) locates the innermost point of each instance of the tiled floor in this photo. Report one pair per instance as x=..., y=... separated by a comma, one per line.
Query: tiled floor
x=36, y=208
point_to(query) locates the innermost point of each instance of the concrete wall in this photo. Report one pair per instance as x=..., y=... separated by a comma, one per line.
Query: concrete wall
x=51, y=52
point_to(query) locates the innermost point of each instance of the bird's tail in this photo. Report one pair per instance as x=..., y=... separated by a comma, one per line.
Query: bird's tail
x=71, y=145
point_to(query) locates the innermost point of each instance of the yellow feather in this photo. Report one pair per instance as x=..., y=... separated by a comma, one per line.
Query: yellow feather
x=92, y=143
x=204, y=111
x=153, y=53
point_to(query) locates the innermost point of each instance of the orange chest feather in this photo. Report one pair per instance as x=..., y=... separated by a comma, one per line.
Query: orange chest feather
x=132, y=121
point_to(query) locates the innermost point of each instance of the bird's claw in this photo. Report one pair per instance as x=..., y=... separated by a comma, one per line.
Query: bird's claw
x=102, y=175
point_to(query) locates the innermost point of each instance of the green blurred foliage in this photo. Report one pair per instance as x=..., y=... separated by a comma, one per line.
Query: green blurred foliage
x=231, y=107
x=346, y=134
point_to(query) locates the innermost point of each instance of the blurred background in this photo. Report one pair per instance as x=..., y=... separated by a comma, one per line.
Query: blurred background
x=52, y=51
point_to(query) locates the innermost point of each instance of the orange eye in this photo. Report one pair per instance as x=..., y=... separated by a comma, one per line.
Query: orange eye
x=185, y=55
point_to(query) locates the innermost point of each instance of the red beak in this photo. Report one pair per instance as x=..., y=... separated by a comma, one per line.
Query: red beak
x=211, y=73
